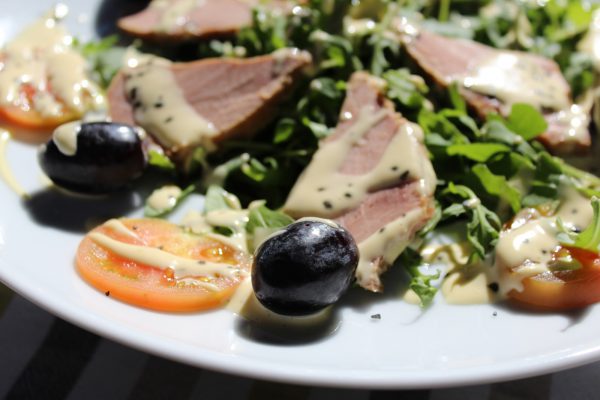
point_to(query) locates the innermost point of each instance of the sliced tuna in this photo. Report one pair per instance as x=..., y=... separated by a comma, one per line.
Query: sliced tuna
x=373, y=176
x=180, y=20
x=491, y=80
x=184, y=105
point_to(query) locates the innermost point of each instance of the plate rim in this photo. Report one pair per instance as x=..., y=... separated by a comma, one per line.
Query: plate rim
x=261, y=369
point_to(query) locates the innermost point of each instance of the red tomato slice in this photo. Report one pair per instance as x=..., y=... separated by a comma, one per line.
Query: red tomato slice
x=31, y=119
x=26, y=117
x=563, y=290
x=151, y=287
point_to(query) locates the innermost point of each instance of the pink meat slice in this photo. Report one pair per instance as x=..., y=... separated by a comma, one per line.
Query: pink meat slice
x=239, y=96
x=441, y=57
x=381, y=207
x=210, y=18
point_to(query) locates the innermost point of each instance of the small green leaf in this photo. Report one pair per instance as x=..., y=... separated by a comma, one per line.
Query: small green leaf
x=404, y=88
x=456, y=99
x=263, y=217
x=589, y=239
x=526, y=121
x=160, y=160
x=498, y=186
x=420, y=283
x=480, y=152
x=284, y=130
x=217, y=198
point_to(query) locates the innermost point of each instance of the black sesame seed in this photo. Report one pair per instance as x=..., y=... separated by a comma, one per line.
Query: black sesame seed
x=376, y=316
x=382, y=230
x=107, y=293
x=321, y=189
x=348, y=195
x=495, y=313
x=158, y=104
x=404, y=175
x=327, y=205
x=395, y=168
x=133, y=93
x=137, y=104
x=494, y=287
x=168, y=119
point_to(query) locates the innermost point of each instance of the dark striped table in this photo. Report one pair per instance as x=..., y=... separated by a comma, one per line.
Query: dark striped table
x=44, y=357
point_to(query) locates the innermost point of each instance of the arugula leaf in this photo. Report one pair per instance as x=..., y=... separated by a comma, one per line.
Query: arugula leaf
x=160, y=160
x=480, y=152
x=284, y=130
x=217, y=198
x=456, y=99
x=589, y=239
x=497, y=185
x=483, y=227
x=151, y=212
x=526, y=121
x=263, y=217
x=104, y=58
x=407, y=89
x=420, y=283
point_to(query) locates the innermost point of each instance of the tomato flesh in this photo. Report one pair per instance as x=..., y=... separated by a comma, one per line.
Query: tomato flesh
x=563, y=290
x=155, y=288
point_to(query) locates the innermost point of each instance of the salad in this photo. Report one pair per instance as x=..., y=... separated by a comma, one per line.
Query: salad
x=332, y=140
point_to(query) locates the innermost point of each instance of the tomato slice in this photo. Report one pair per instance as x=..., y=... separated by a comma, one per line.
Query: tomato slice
x=152, y=287
x=25, y=116
x=31, y=119
x=563, y=290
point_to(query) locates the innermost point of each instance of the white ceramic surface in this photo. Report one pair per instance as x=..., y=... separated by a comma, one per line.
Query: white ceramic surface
x=445, y=346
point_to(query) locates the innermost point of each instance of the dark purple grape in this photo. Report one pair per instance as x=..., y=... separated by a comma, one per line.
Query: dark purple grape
x=108, y=157
x=305, y=268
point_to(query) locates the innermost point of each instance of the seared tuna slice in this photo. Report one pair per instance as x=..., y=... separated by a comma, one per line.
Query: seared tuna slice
x=490, y=80
x=181, y=20
x=201, y=103
x=373, y=176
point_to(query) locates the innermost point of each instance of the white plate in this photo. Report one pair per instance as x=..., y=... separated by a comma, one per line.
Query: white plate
x=447, y=345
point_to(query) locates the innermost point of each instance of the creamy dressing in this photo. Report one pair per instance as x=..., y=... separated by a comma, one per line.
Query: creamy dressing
x=383, y=247
x=526, y=249
x=182, y=267
x=41, y=57
x=323, y=191
x=575, y=120
x=164, y=198
x=175, y=14
x=516, y=77
x=160, y=106
x=65, y=137
x=5, y=170
x=235, y=220
x=119, y=227
x=590, y=44
x=245, y=304
x=469, y=285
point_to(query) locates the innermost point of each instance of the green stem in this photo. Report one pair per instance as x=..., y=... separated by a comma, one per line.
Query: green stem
x=444, y=12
